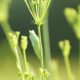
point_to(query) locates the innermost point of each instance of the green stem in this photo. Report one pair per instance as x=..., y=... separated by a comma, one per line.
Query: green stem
x=46, y=42
x=18, y=60
x=79, y=60
x=40, y=41
x=68, y=69
x=41, y=50
x=25, y=59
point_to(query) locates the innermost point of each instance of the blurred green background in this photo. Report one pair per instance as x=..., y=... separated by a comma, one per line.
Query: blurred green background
x=21, y=20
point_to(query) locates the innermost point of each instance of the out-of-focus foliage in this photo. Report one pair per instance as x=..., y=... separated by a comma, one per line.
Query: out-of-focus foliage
x=73, y=17
x=4, y=9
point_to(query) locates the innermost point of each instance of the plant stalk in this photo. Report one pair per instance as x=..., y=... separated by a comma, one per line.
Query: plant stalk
x=25, y=60
x=40, y=44
x=68, y=69
x=20, y=69
x=79, y=60
x=41, y=49
x=46, y=43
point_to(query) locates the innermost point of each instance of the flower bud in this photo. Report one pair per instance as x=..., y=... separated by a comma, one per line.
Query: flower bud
x=14, y=38
x=65, y=47
x=24, y=42
x=70, y=15
x=44, y=73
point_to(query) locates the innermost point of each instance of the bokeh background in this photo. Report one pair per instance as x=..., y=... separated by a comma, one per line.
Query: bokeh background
x=21, y=20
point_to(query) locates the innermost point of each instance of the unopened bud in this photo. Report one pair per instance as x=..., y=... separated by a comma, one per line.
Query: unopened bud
x=24, y=42
x=65, y=47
